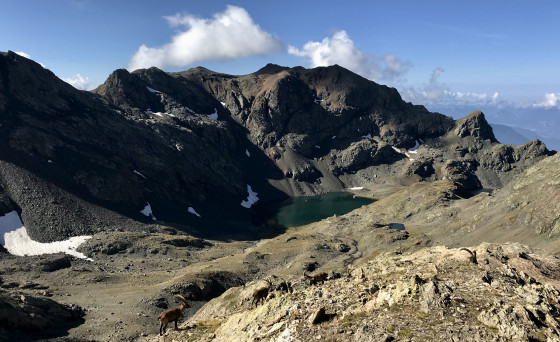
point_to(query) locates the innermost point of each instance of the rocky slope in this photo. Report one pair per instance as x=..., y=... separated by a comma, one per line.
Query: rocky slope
x=81, y=149
x=509, y=293
x=525, y=210
x=133, y=276
x=327, y=128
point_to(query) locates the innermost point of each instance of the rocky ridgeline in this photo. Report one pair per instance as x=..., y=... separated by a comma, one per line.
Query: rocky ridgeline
x=192, y=142
x=507, y=292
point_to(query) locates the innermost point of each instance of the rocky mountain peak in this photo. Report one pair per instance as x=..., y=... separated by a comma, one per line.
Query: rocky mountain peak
x=475, y=125
x=126, y=90
x=270, y=69
x=27, y=82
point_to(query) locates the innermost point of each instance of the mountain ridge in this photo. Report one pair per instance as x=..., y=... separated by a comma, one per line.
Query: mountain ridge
x=181, y=140
x=175, y=144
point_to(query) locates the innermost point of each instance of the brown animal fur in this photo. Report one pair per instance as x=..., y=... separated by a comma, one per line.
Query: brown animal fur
x=317, y=277
x=473, y=255
x=171, y=315
x=261, y=293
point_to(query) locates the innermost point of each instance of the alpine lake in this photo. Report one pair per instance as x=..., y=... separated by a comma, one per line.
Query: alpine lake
x=299, y=211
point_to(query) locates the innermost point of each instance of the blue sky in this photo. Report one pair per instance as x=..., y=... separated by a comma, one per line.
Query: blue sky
x=464, y=52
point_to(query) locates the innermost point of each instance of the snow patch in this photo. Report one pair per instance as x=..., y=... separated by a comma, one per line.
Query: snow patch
x=401, y=152
x=247, y=153
x=139, y=174
x=147, y=211
x=15, y=239
x=317, y=146
x=213, y=116
x=152, y=90
x=356, y=188
x=367, y=136
x=149, y=111
x=50, y=161
x=223, y=104
x=192, y=211
x=190, y=110
x=408, y=156
x=318, y=101
x=251, y=199
x=415, y=148
x=333, y=137
x=8, y=223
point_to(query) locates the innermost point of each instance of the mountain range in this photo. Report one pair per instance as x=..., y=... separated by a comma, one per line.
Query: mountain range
x=170, y=144
x=165, y=173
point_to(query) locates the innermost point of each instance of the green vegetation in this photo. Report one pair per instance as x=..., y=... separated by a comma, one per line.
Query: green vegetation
x=493, y=330
x=406, y=333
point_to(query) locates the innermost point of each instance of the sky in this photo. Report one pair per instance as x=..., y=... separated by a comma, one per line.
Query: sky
x=478, y=52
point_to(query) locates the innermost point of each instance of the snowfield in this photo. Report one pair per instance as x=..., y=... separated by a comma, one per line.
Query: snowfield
x=15, y=239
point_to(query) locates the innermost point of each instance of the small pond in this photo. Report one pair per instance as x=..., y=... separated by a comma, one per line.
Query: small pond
x=299, y=211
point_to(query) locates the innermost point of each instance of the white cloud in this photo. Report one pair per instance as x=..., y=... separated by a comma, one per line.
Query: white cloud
x=21, y=53
x=550, y=100
x=228, y=35
x=26, y=55
x=340, y=49
x=436, y=91
x=78, y=81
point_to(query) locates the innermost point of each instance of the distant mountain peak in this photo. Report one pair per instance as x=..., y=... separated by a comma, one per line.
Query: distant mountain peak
x=271, y=69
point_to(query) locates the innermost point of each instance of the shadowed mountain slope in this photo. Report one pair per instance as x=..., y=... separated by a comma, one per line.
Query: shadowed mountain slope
x=196, y=142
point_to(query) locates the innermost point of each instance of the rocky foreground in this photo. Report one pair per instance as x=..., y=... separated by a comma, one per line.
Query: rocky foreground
x=507, y=293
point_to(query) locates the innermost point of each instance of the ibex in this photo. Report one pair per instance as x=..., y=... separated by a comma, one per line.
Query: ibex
x=171, y=315
x=473, y=255
x=261, y=293
x=317, y=277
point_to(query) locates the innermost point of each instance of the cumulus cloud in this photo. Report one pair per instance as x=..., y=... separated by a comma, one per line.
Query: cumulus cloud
x=78, y=81
x=340, y=49
x=435, y=91
x=21, y=53
x=228, y=35
x=550, y=100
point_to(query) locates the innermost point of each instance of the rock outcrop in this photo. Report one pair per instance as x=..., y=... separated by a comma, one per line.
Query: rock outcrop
x=433, y=294
x=27, y=318
x=475, y=125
